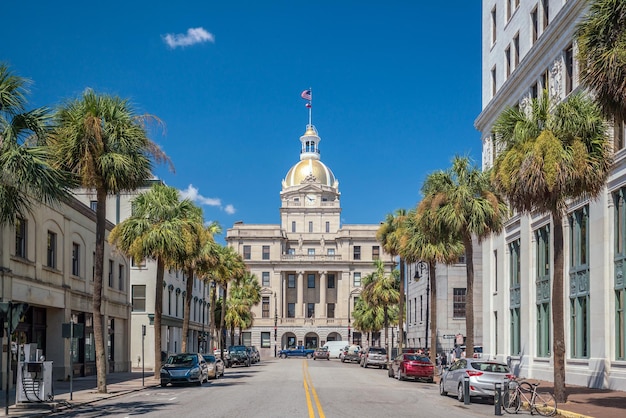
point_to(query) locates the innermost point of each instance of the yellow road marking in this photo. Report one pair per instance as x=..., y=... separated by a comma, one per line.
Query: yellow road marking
x=308, y=384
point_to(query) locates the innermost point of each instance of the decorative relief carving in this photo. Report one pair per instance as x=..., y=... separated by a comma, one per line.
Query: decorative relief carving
x=555, y=80
x=310, y=178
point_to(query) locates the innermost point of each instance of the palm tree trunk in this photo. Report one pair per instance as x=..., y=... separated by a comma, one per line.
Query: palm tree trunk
x=223, y=317
x=433, y=312
x=212, y=317
x=97, y=292
x=401, y=308
x=558, y=325
x=469, y=298
x=158, y=316
x=386, y=335
x=187, y=309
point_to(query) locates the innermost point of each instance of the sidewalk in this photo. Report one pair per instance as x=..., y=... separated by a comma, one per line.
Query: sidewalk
x=84, y=391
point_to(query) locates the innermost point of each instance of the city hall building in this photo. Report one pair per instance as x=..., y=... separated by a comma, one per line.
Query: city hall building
x=310, y=266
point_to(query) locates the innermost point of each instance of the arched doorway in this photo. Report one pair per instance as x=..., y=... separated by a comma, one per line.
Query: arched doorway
x=333, y=336
x=288, y=340
x=311, y=340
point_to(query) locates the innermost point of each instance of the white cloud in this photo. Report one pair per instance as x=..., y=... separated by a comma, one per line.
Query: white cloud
x=192, y=37
x=192, y=194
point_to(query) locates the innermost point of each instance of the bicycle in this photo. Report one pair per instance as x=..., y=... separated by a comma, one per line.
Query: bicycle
x=525, y=395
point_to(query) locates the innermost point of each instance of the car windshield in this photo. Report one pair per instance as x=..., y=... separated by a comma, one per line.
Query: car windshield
x=209, y=358
x=490, y=367
x=378, y=350
x=182, y=360
x=416, y=357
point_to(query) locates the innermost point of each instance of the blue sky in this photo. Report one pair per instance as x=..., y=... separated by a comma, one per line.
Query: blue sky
x=396, y=88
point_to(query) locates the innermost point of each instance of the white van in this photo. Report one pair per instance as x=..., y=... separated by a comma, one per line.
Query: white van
x=335, y=347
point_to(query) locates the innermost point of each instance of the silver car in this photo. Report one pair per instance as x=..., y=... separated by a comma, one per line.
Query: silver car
x=482, y=377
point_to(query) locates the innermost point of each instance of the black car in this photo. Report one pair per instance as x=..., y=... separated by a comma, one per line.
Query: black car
x=184, y=368
x=238, y=355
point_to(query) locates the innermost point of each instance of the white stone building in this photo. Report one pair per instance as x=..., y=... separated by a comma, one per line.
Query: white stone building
x=529, y=46
x=47, y=261
x=142, y=293
x=310, y=266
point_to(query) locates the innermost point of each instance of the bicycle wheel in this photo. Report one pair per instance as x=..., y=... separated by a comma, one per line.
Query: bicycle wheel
x=545, y=404
x=510, y=400
x=525, y=394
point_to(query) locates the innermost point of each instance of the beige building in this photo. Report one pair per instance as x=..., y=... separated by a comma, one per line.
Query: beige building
x=47, y=261
x=310, y=266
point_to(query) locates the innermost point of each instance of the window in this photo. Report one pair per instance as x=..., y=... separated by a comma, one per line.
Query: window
x=579, y=283
x=327, y=226
x=75, y=259
x=534, y=91
x=310, y=310
x=546, y=13
x=507, y=61
x=52, y=250
x=618, y=134
x=266, y=252
x=139, y=298
x=546, y=80
x=495, y=271
x=310, y=279
x=93, y=266
x=533, y=26
x=265, y=307
x=291, y=310
x=458, y=297
x=516, y=50
x=265, y=340
x=331, y=281
x=311, y=251
x=291, y=280
x=291, y=251
x=542, y=282
x=619, y=198
x=421, y=308
x=246, y=252
x=20, y=237
x=111, y=265
x=120, y=276
x=330, y=251
x=508, y=8
x=409, y=311
x=356, y=280
x=493, y=81
x=515, y=272
x=265, y=281
x=569, y=69
x=293, y=226
x=357, y=252
x=375, y=252
x=169, y=300
x=93, y=204
x=330, y=310
x=310, y=226
x=133, y=263
x=494, y=26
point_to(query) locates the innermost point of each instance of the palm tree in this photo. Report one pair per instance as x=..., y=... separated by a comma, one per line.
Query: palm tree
x=601, y=51
x=25, y=160
x=105, y=145
x=245, y=293
x=463, y=205
x=420, y=241
x=551, y=155
x=382, y=291
x=388, y=235
x=368, y=319
x=160, y=227
x=200, y=257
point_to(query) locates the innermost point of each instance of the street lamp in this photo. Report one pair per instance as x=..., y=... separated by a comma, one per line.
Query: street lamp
x=420, y=268
x=275, y=323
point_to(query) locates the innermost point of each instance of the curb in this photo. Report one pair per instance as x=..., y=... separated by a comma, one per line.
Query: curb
x=568, y=414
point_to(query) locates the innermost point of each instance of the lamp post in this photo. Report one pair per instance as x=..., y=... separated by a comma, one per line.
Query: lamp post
x=275, y=323
x=349, y=301
x=420, y=268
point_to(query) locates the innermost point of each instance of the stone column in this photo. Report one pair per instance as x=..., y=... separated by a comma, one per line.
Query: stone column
x=300, y=298
x=322, y=305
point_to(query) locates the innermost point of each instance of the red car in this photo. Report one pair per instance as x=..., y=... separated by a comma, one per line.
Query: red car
x=412, y=366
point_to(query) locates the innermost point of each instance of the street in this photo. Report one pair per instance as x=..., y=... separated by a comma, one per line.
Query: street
x=290, y=388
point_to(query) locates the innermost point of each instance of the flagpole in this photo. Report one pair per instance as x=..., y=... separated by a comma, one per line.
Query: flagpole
x=310, y=106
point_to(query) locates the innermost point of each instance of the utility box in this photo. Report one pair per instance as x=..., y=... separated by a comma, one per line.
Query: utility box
x=34, y=376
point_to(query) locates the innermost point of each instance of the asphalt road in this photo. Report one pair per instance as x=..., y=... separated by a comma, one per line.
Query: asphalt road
x=290, y=388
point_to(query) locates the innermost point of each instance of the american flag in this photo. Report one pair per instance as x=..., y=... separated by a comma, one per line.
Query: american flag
x=306, y=94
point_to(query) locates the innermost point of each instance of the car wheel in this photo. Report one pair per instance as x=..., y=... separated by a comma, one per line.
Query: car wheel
x=459, y=394
x=283, y=356
x=314, y=358
x=441, y=391
x=163, y=384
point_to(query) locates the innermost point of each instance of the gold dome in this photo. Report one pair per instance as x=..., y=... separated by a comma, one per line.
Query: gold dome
x=311, y=170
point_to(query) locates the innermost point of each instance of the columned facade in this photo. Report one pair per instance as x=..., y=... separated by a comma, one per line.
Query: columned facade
x=309, y=266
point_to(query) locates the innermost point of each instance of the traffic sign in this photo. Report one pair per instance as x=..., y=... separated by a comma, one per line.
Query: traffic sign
x=449, y=337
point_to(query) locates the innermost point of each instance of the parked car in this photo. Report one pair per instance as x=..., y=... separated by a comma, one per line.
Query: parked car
x=297, y=351
x=351, y=354
x=335, y=348
x=255, y=354
x=184, y=368
x=478, y=351
x=252, y=354
x=215, y=366
x=321, y=353
x=482, y=377
x=238, y=355
x=374, y=356
x=412, y=366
